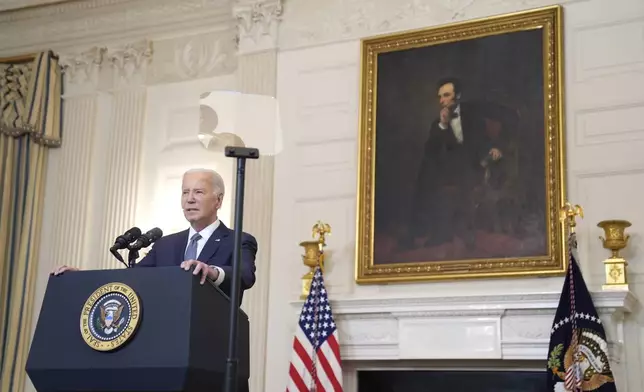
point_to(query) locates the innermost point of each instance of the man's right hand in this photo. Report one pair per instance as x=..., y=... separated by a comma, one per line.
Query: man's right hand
x=445, y=117
x=60, y=269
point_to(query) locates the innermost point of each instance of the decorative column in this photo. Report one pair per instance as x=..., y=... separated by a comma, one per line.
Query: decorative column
x=70, y=166
x=93, y=180
x=129, y=66
x=256, y=73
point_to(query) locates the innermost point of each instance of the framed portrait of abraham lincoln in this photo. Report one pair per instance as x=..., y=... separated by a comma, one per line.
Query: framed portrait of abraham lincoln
x=461, y=151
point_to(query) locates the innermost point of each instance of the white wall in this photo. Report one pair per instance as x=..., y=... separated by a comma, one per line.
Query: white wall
x=170, y=147
x=318, y=86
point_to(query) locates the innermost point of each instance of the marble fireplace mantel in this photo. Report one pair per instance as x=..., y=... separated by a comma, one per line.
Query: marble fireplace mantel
x=497, y=327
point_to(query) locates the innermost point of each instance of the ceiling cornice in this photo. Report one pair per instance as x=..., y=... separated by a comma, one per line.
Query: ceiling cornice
x=42, y=9
x=77, y=23
x=22, y=5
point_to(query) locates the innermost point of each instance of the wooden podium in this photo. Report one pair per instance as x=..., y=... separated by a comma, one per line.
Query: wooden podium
x=136, y=329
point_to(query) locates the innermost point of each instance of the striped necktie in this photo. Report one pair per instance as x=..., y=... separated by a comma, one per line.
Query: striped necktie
x=191, y=251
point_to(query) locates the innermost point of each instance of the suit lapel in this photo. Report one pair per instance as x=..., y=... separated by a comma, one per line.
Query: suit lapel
x=181, y=246
x=214, y=242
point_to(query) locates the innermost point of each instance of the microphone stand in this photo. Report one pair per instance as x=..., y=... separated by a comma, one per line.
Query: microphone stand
x=132, y=255
x=118, y=256
x=241, y=154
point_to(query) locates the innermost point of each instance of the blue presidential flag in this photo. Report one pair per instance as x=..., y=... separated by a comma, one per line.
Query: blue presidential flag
x=578, y=358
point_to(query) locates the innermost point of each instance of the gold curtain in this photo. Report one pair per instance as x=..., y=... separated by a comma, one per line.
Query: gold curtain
x=30, y=123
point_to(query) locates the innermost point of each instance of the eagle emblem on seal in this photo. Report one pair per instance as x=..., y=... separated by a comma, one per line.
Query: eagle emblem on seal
x=111, y=316
x=592, y=364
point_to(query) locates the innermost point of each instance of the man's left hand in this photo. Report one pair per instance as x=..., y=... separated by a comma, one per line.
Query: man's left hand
x=202, y=269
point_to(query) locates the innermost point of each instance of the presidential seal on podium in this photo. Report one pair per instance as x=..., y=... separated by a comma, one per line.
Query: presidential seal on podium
x=110, y=316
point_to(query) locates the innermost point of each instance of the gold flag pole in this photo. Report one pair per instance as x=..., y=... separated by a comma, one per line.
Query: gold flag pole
x=23, y=58
x=314, y=254
x=568, y=213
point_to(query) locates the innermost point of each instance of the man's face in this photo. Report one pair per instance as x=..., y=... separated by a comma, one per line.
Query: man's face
x=446, y=95
x=198, y=198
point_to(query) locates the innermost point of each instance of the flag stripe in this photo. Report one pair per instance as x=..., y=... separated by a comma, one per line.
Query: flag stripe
x=332, y=383
x=302, y=353
x=296, y=384
x=335, y=346
x=334, y=357
x=318, y=385
x=302, y=362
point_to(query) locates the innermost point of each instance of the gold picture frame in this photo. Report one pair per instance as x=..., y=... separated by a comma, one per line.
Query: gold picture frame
x=515, y=59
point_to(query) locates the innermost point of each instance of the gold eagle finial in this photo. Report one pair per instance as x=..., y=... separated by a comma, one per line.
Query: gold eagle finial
x=568, y=213
x=321, y=229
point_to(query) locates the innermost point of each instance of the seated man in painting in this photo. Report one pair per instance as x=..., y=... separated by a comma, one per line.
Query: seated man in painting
x=467, y=164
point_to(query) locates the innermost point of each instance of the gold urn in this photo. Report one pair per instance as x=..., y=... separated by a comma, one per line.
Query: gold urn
x=615, y=266
x=313, y=255
x=311, y=258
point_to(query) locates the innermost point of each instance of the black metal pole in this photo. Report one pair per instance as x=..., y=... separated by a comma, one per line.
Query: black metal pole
x=232, y=362
x=132, y=255
x=118, y=257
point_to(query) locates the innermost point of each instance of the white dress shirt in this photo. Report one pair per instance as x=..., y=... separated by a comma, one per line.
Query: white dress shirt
x=205, y=235
x=455, y=124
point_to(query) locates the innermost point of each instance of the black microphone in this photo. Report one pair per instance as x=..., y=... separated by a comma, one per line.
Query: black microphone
x=125, y=239
x=146, y=239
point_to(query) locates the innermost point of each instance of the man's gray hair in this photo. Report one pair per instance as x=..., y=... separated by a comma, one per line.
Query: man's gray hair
x=217, y=181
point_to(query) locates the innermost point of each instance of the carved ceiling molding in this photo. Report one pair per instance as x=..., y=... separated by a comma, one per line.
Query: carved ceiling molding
x=127, y=65
x=106, y=67
x=130, y=63
x=311, y=22
x=83, y=67
x=257, y=24
x=194, y=57
x=49, y=10
x=86, y=23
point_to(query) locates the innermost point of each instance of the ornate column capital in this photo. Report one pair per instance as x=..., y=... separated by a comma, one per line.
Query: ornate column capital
x=257, y=24
x=82, y=70
x=129, y=63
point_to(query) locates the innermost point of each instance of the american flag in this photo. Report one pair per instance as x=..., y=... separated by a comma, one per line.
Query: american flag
x=315, y=363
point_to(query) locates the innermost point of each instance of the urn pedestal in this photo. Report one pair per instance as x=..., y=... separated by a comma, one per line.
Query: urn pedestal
x=615, y=266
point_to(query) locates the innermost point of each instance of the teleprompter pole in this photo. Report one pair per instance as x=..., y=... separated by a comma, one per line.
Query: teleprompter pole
x=232, y=362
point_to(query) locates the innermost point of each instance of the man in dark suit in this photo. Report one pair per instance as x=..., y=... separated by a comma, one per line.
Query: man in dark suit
x=461, y=147
x=208, y=244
